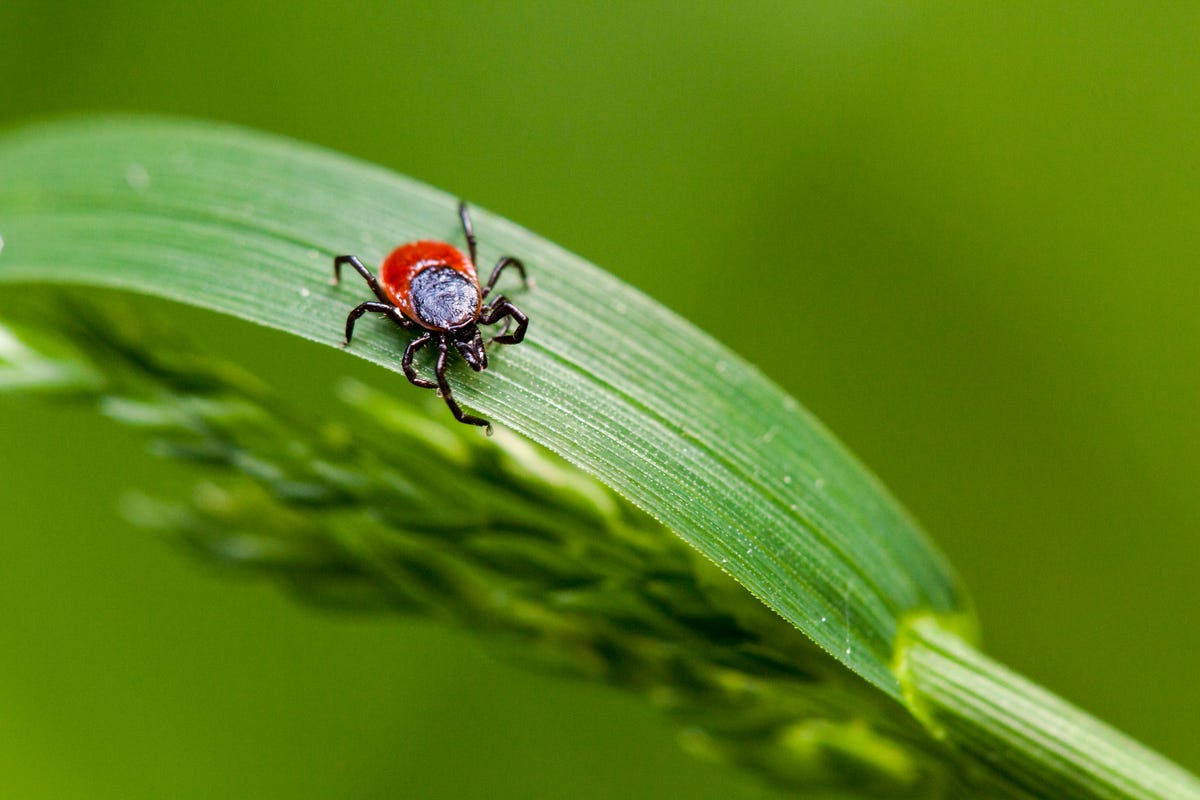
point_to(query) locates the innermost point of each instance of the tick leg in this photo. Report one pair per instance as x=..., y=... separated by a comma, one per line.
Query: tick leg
x=359, y=310
x=469, y=231
x=397, y=316
x=406, y=362
x=501, y=309
x=366, y=273
x=458, y=413
x=507, y=261
x=473, y=352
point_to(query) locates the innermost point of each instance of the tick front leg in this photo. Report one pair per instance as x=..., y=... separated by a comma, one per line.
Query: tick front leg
x=407, y=365
x=501, y=309
x=366, y=273
x=457, y=411
x=378, y=308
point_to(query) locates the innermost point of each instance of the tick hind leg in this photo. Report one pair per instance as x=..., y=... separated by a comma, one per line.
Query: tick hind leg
x=468, y=230
x=366, y=273
x=444, y=390
x=500, y=309
x=501, y=265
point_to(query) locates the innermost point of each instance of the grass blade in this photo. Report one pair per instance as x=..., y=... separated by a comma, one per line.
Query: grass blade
x=1027, y=735
x=247, y=224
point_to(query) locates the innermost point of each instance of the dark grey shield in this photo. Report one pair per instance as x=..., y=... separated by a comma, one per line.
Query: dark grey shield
x=444, y=298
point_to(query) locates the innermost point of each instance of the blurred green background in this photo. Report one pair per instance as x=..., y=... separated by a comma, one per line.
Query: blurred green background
x=983, y=224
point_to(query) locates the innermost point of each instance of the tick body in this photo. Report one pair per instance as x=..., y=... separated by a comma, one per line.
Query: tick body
x=432, y=288
x=433, y=284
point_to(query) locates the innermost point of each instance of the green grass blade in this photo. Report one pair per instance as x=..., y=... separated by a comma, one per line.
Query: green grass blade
x=247, y=224
x=1027, y=735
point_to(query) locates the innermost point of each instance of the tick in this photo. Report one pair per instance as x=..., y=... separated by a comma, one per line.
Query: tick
x=431, y=287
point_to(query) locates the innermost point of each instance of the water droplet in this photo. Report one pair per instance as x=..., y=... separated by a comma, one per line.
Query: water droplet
x=304, y=292
x=137, y=177
x=823, y=618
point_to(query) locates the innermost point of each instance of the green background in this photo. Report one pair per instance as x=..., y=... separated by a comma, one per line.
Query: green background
x=965, y=236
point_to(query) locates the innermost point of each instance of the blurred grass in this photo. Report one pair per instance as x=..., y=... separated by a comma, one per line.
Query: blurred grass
x=381, y=507
x=986, y=219
x=179, y=683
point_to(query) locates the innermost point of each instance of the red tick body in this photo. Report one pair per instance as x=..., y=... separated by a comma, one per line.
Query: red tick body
x=432, y=287
x=408, y=261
